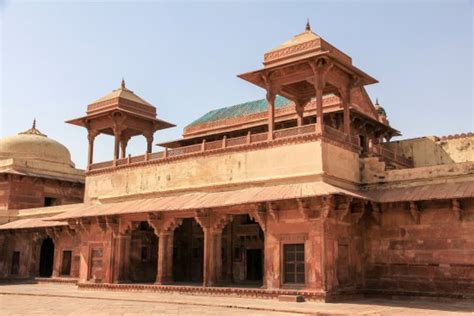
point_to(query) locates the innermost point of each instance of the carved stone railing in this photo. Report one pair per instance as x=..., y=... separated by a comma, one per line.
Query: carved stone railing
x=387, y=154
x=336, y=136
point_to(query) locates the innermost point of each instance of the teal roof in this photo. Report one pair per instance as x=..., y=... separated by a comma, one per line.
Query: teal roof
x=238, y=110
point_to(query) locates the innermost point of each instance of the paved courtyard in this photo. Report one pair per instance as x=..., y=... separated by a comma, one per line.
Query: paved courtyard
x=61, y=299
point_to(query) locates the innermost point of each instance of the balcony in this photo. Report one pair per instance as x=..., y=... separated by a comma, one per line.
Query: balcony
x=302, y=133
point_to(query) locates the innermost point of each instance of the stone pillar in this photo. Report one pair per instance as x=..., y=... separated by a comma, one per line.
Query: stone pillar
x=212, y=257
x=123, y=146
x=320, y=69
x=117, y=135
x=149, y=143
x=165, y=258
x=346, y=100
x=90, y=153
x=121, y=258
x=271, y=113
x=319, y=110
x=299, y=113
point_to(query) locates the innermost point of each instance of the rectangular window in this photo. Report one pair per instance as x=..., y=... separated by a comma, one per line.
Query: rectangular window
x=66, y=264
x=15, y=263
x=50, y=201
x=293, y=264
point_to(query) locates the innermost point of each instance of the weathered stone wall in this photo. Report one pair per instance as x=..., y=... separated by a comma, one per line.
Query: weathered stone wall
x=430, y=151
x=29, y=192
x=340, y=163
x=234, y=168
x=345, y=256
x=434, y=256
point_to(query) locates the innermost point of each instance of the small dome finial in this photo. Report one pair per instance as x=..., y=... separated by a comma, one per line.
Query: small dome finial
x=122, y=85
x=34, y=124
x=308, y=26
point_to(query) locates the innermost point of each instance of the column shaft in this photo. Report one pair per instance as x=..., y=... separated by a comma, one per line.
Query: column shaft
x=319, y=111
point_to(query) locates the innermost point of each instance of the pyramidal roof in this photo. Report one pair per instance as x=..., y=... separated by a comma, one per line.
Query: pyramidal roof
x=123, y=93
x=303, y=37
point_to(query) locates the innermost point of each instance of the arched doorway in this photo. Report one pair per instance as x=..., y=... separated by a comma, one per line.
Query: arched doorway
x=143, y=254
x=188, y=252
x=242, y=252
x=46, y=258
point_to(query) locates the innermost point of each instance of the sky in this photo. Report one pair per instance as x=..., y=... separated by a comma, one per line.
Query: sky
x=184, y=56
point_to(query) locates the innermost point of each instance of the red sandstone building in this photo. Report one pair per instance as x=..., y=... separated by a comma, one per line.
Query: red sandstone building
x=302, y=192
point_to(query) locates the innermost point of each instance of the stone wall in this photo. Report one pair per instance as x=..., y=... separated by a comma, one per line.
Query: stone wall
x=435, y=255
x=207, y=171
x=430, y=151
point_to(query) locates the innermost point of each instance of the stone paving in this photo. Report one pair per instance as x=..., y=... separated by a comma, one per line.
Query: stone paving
x=66, y=299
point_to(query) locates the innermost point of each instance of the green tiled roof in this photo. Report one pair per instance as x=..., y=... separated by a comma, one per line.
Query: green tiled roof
x=240, y=110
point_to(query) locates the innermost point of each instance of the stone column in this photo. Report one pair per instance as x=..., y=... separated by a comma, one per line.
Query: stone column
x=271, y=113
x=165, y=258
x=123, y=146
x=320, y=68
x=319, y=110
x=117, y=135
x=299, y=113
x=346, y=100
x=121, y=258
x=90, y=154
x=149, y=142
x=212, y=256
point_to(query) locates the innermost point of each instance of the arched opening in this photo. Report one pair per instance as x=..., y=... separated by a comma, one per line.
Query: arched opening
x=188, y=252
x=46, y=258
x=143, y=254
x=242, y=252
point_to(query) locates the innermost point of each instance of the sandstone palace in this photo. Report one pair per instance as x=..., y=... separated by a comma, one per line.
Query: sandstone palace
x=303, y=192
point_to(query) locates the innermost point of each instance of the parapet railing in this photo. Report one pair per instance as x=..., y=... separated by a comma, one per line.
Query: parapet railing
x=331, y=133
x=387, y=154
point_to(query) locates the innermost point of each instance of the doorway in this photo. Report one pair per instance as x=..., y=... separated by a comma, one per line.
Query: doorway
x=46, y=258
x=254, y=265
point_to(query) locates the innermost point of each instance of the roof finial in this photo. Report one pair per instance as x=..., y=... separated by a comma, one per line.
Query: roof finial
x=376, y=101
x=34, y=123
x=123, y=83
x=308, y=26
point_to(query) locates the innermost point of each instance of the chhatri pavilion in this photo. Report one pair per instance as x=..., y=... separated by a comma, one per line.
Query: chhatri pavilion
x=303, y=192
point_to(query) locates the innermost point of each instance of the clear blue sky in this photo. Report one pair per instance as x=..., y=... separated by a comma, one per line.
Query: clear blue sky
x=183, y=57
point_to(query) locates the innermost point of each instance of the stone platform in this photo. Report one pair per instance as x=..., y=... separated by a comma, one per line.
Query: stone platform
x=200, y=290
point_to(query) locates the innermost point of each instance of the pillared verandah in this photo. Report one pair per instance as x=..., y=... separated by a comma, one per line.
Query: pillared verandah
x=299, y=193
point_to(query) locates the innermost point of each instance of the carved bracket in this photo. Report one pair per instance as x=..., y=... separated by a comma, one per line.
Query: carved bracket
x=304, y=208
x=102, y=222
x=415, y=212
x=155, y=220
x=203, y=218
x=171, y=224
x=328, y=206
x=457, y=209
x=220, y=221
x=259, y=215
x=376, y=212
x=273, y=211
x=347, y=208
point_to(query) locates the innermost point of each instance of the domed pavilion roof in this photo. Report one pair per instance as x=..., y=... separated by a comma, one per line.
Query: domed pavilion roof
x=34, y=145
x=32, y=153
